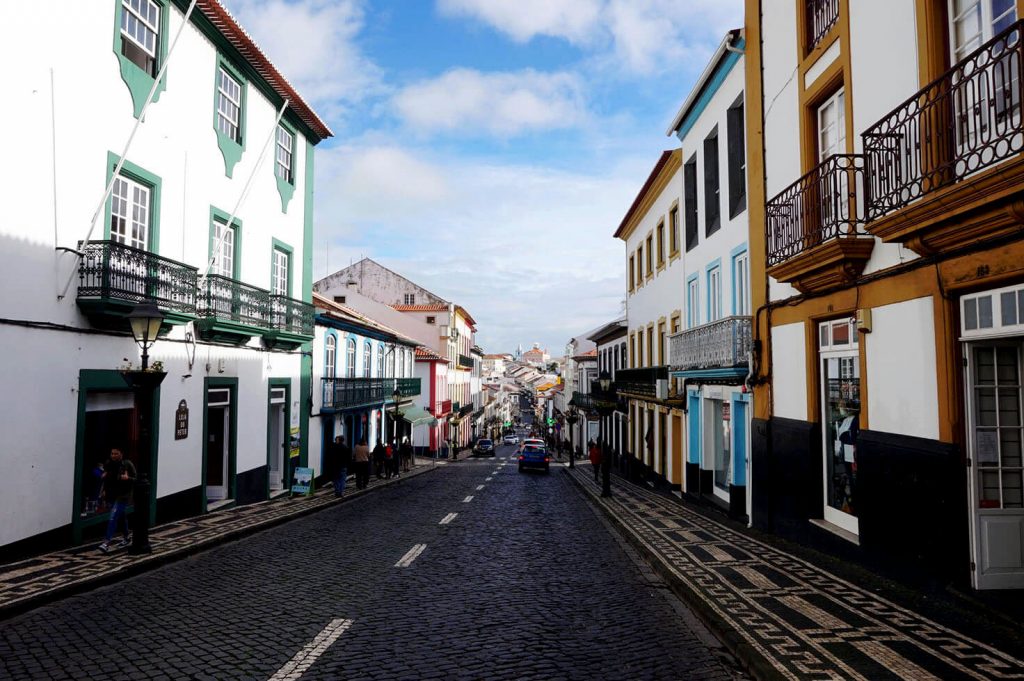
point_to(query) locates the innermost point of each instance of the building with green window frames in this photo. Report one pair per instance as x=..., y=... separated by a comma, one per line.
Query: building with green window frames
x=230, y=275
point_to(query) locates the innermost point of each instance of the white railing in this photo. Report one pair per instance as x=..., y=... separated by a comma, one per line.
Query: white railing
x=720, y=344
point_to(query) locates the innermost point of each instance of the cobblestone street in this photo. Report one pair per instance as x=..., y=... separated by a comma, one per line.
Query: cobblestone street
x=473, y=571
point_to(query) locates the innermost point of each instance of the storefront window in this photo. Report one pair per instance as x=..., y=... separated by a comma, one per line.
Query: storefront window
x=840, y=399
x=109, y=424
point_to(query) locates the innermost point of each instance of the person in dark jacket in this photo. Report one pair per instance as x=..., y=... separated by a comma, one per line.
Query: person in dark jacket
x=361, y=461
x=342, y=460
x=118, y=483
x=379, y=455
x=406, y=452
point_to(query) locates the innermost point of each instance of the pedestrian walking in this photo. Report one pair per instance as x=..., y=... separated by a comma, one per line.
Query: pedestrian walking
x=396, y=459
x=389, y=460
x=379, y=454
x=405, y=451
x=118, y=483
x=361, y=461
x=342, y=461
x=595, y=459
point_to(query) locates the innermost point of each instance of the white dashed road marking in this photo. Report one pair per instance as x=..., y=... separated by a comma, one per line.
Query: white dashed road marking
x=448, y=518
x=467, y=499
x=409, y=557
x=488, y=479
x=479, y=487
x=304, y=659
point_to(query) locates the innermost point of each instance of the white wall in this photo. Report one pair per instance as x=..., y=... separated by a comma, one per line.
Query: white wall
x=789, y=371
x=906, y=400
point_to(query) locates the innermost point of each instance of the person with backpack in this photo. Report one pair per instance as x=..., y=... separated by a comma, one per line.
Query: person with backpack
x=118, y=482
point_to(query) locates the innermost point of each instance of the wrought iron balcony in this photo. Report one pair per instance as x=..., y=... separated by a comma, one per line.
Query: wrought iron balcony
x=583, y=401
x=821, y=17
x=967, y=120
x=642, y=381
x=346, y=393
x=465, y=362
x=721, y=344
x=113, y=272
x=227, y=299
x=820, y=206
x=291, y=316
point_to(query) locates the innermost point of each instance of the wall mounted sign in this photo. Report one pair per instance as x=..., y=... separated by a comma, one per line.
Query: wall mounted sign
x=181, y=421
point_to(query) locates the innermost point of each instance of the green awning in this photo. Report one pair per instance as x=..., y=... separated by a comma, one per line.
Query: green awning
x=417, y=416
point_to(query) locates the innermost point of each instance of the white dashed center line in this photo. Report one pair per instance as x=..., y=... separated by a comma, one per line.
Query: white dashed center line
x=304, y=659
x=479, y=487
x=467, y=499
x=488, y=479
x=412, y=554
x=448, y=518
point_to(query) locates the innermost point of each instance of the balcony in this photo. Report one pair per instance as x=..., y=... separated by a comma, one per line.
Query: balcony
x=350, y=393
x=113, y=277
x=465, y=362
x=814, y=227
x=717, y=349
x=232, y=312
x=821, y=17
x=643, y=382
x=944, y=168
x=291, y=323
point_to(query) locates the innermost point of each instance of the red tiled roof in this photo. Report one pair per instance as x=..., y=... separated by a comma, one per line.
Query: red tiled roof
x=428, y=354
x=240, y=40
x=431, y=307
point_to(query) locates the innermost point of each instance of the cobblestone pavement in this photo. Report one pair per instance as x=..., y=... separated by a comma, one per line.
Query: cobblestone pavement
x=786, y=617
x=472, y=572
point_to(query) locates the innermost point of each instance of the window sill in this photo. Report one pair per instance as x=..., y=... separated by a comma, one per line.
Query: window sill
x=836, y=530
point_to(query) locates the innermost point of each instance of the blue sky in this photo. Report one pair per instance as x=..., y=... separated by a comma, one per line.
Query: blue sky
x=488, y=149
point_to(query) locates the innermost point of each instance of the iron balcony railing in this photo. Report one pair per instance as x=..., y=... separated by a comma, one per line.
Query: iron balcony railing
x=291, y=315
x=643, y=381
x=465, y=362
x=109, y=269
x=583, y=401
x=966, y=120
x=343, y=393
x=821, y=205
x=229, y=299
x=717, y=345
x=821, y=17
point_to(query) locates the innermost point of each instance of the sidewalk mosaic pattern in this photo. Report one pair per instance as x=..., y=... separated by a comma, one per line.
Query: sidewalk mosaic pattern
x=35, y=580
x=803, y=621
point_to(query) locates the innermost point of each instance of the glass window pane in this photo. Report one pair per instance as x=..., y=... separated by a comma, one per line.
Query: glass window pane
x=984, y=366
x=1012, y=489
x=1010, y=447
x=985, y=312
x=971, y=314
x=1008, y=308
x=1006, y=366
x=841, y=333
x=988, y=489
x=985, y=401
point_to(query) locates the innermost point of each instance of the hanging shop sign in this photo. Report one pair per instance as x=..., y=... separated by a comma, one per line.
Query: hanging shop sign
x=181, y=421
x=294, y=442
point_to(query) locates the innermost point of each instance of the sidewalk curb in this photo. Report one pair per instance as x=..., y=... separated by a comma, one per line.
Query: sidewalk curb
x=153, y=561
x=752, y=661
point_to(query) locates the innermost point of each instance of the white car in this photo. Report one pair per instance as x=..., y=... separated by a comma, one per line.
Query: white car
x=511, y=440
x=533, y=442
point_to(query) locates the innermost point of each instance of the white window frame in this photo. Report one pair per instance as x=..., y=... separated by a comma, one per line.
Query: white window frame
x=693, y=302
x=127, y=200
x=279, y=275
x=984, y=28
x=714, y=293
x=224, y=253
x=837, y=124
x=350, y=356
x=410, y=298
x=330, y=355
x=132, y=16
x=741, y=283
x=367, y=358
x=227, y=123
x=285, y=154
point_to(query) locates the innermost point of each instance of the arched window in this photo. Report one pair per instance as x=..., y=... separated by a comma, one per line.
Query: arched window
x=380, y=361
x=391, y=362
x=330, y=353
x=351, y=352
x=367, y=352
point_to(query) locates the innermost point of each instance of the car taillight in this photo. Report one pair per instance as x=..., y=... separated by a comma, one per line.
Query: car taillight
x=547, y=459
x=520, y=457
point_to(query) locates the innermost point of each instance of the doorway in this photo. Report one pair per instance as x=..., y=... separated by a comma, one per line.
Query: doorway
x=995, y=435
x=277, y=438
x=219, y=441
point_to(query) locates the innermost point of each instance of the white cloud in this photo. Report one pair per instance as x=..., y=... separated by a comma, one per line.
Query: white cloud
x=504, y=104
x=526, y=249
x=313, y=44
x=634, y=36
x=574, y=20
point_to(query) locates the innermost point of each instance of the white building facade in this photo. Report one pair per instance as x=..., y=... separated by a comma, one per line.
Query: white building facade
x=231, y=277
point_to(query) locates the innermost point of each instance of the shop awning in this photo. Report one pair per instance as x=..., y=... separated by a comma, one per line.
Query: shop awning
x=417, y=416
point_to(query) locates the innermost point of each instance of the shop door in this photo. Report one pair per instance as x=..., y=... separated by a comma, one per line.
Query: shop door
x=276, y=441
x=995, y=435
x=218, y=444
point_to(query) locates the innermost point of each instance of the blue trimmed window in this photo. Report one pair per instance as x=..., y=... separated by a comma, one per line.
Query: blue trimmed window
x=330, y=355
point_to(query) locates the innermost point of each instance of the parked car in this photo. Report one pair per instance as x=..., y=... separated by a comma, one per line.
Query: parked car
x=533, y=456
x=484, y=446
x=511, y=439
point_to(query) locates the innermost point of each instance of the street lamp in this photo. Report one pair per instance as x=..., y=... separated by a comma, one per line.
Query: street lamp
x=605, y=407
x=396, y=397
x=451, y=435
x=572, y=417
x=145, y=320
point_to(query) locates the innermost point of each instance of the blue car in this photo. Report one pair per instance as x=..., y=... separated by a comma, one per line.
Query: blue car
x=534, y=456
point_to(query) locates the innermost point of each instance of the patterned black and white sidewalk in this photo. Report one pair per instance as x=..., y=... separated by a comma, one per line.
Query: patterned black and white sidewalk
x=34, y=581
x=785, y=617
